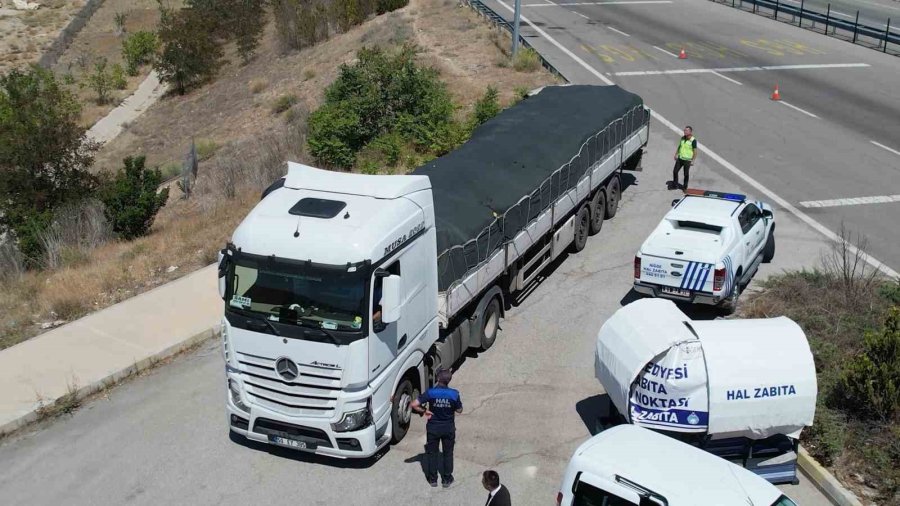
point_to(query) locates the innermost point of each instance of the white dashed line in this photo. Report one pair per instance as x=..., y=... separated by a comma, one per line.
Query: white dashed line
x=882, y=146
x=673, y=55
x=728, y=78
x=855, y=201
x=794, y=107
x=774, y=197
x=580, y=14
x=620, y=32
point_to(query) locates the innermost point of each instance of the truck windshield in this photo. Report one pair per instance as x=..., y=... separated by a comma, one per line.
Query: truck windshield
x=331, y=298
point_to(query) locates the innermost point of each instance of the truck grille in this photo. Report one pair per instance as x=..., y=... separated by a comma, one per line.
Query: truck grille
x=313, y=393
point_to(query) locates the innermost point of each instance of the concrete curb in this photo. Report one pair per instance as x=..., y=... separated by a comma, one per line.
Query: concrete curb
x=114, y=378
x=824, y=480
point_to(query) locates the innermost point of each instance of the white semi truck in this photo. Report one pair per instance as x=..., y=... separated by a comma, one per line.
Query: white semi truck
x=345, y=293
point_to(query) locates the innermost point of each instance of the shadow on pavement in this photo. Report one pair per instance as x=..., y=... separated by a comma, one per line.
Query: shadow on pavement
x=594, y=411
x=310, y=458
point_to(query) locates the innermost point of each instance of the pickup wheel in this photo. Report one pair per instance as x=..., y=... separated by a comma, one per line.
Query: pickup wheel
x=613, y=189
x=490, y=323
x=729, y=305
x=769, y=249
x=582, y=228
x=401, y=410
x=598, y=211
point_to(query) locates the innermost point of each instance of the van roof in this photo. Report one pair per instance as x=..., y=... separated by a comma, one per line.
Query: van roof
x=679, y=472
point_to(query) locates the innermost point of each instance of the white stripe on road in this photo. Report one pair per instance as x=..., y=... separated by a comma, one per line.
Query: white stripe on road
x=855, y=201
x=580, y=14
x=794, y=107
x=673, y=55
x=728, y=79
x=620, y=32
x=635, y=2
x=738, y=69
x=822, y=229
x=882, y=146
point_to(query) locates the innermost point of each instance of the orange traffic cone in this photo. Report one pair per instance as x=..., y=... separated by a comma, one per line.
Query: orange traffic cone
x=682, y=55
x=775, y=94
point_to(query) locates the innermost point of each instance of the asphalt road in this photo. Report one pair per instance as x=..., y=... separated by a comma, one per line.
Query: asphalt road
x=874, y=13
x=834, y=136
x=163, y=438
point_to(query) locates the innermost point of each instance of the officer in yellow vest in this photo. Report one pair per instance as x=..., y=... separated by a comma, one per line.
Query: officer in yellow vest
x=685, y=154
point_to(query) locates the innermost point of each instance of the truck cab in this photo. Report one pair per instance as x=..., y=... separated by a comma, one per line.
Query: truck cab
x=330, y=306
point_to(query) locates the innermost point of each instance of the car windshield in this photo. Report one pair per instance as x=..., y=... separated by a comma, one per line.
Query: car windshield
x=328, y=298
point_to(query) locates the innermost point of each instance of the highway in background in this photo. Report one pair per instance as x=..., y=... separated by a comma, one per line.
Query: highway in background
x=830, y=148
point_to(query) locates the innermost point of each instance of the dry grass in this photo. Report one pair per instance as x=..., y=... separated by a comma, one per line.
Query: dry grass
x=252, y=146
x=24, y=34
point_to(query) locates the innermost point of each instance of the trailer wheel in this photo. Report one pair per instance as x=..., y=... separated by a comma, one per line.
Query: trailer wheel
x=490, y=323
x=582, y=229
x=769, y=250
x=401, y=410
x=598, y=211
x=613, y=189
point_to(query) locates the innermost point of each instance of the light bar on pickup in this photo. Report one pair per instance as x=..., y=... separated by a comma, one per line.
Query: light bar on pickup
x=737, y=197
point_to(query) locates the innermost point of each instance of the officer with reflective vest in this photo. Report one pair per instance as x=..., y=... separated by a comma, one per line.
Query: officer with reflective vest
x=685, y=154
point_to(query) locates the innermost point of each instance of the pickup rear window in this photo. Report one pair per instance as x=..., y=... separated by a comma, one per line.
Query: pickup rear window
x=696, y=225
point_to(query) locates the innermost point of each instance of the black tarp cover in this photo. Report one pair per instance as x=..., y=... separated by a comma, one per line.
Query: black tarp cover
x=510, y=156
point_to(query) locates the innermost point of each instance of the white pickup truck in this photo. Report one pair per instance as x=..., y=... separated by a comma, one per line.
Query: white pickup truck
x=706, y=249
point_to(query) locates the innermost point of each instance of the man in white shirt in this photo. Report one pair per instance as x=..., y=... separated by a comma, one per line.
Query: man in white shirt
x=498, y=495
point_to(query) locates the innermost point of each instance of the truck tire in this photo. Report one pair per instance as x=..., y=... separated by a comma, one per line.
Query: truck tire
x=769, y=249
x=401, y=410
x=729, y=305
x=598, y=211
x=613, y=192
x=490, y=324
x=582, y=228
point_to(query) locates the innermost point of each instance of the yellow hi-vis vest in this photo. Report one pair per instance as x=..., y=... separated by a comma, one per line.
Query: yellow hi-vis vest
x=686, y=148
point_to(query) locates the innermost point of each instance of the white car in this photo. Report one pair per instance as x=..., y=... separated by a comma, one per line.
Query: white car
x=706, y=249
x=630, y=465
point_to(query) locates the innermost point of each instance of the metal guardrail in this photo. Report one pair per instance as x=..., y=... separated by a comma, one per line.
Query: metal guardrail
x=498, y=20
x=884, y=40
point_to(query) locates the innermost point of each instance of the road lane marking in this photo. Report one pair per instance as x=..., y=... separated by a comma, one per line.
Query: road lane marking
x=882, y=146
x=855, y=201
x=634, y=2
x=673, y=55
x=739, y=69
x=620, y=32
x=728, y=78
x=580, y=14
x=805, y=218
x=794, y=107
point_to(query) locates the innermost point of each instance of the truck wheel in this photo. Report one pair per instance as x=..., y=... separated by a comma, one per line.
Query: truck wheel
x=490, y=323
x=401, y=410
x=729, y=305
x=598, y=211
x=769, y=250
x=582, y=228
x=612, y=196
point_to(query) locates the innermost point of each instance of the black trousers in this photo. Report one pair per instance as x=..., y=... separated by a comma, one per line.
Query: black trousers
x=681, y=164
x=436, y=460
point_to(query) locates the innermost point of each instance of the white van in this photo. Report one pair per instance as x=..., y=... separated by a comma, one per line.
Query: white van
x=631, y=465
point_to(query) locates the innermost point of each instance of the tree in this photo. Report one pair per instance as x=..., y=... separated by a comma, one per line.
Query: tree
x=870, y=384
x=240, y=20
x=44, y=155
x=189, y=54
x=101, y=81
x=133, y=198
x=138, y=49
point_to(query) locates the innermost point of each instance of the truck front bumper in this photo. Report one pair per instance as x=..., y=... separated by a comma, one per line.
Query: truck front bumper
x=263, y=425
x=694, y=297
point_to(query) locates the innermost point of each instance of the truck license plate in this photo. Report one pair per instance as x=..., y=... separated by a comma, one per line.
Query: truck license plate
x=291, y=443
x=675, y=291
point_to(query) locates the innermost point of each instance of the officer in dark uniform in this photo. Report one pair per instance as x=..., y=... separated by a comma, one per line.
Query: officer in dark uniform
x=442, y=404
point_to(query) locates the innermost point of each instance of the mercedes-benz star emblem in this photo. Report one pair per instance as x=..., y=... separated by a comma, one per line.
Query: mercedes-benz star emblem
x=286, y=368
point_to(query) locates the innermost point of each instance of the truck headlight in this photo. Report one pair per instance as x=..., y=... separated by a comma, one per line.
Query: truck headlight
x=352, y=420
x=235, y=390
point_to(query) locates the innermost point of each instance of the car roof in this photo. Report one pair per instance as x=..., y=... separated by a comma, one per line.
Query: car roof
x=681, y=473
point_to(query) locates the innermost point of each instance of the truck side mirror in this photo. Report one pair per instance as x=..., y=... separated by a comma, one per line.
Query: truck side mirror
x=390, y=299
x=675, y=202
x=223, y=271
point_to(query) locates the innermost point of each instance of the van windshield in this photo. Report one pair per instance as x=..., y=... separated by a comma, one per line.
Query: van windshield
x=324, y=297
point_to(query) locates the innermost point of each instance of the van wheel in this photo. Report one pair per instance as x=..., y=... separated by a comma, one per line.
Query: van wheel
x=582, y=229
x=490, y=323
x=598, y=211
x=729, y=305
x=769, y=250
x=613, y=189
x=401, y=410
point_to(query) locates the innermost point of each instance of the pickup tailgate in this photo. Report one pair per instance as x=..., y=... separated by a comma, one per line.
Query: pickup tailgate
x=681, y=259
x=677, y=276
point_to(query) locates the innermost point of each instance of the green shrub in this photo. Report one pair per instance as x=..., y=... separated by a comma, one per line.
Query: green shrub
x=118, y=77
x=390, y=5
x=891, y=292
x=284, y=103
x=300, y=23
x=133, y=198
x=486, y=107
x=526, y=60
x=825, y=439
x=334, y=134
x=189, y=54
x=521, y=93
x=101, y=81
x=206, y=148
x=138, y=49
x=870, y=383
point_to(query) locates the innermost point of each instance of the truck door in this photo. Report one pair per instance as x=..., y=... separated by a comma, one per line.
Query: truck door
x=753, y=228
x=384, y=340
